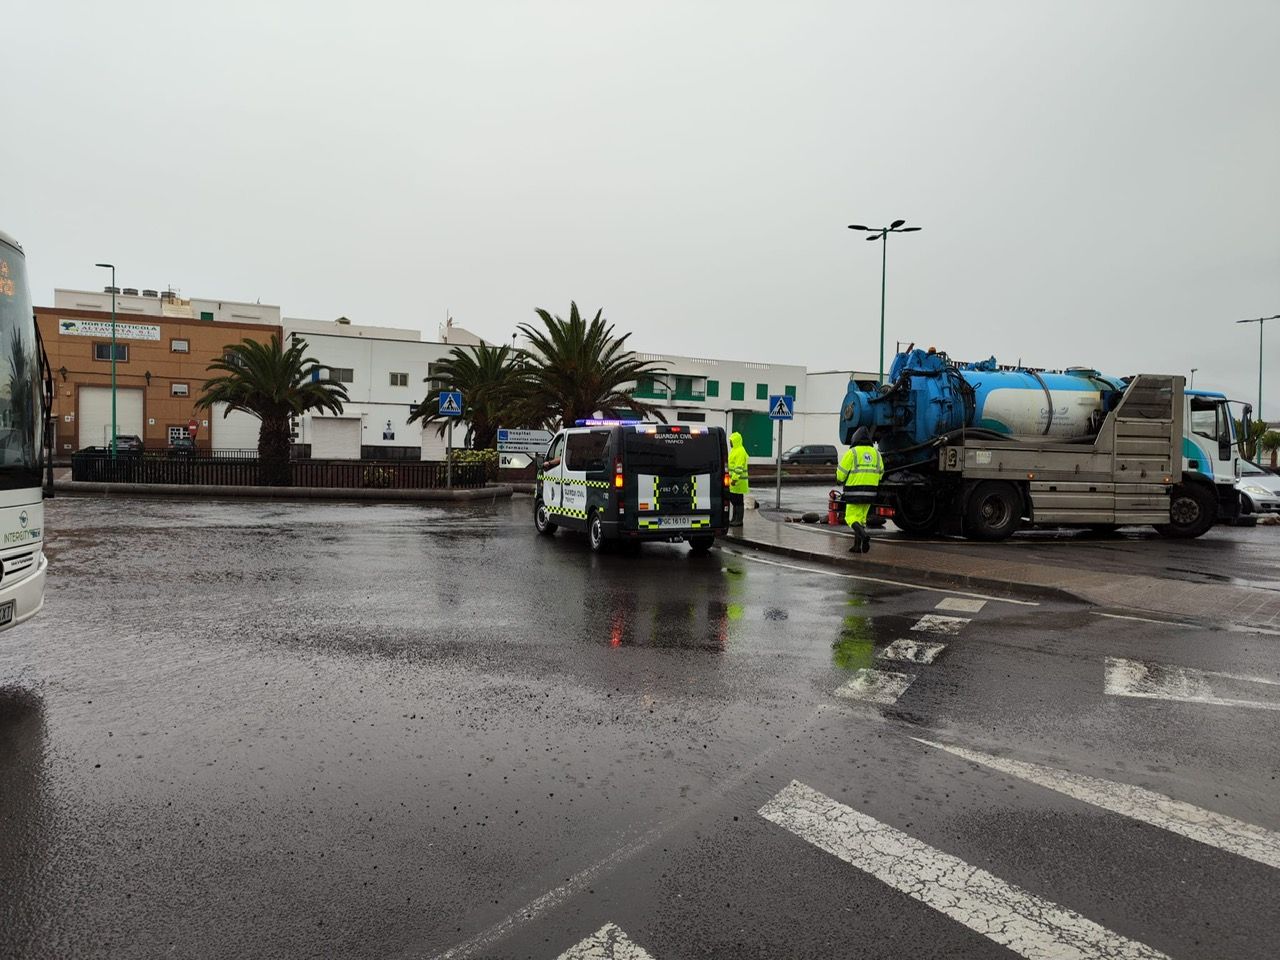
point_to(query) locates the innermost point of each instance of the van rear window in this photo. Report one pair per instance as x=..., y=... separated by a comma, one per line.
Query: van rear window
x=683, y=452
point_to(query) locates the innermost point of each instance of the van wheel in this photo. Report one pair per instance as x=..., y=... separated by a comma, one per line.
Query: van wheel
x=1192, y=510
x=595, y=533
x=542, y=521
x=993, y=512
x=700, y=545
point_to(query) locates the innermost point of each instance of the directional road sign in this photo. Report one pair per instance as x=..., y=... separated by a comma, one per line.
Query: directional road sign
x=450, y=403
x=782, y=407
x=513, y=461
x=522, y=441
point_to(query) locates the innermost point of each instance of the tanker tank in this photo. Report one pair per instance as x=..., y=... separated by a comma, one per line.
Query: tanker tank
x=929, y=396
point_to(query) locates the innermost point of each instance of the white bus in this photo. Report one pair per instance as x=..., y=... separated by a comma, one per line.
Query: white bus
x=22, y=438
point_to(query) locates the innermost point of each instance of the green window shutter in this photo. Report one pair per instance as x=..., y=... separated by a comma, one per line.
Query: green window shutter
x=737, y=391
x=206, y=314
x=762, y=391
x=790, y=392
x=713, y=388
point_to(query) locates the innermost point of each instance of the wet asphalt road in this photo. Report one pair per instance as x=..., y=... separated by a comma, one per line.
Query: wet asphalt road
x=292, y=730
x=1244, y=556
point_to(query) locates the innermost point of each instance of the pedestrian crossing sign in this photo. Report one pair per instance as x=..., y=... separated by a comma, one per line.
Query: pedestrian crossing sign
x=450, y=403
x=782, y=407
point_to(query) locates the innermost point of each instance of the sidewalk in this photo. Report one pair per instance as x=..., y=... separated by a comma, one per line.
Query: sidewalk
x=1136, y=594
x=194, y=491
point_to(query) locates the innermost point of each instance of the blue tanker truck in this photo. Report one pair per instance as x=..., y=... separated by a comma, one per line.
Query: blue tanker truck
x=983, y=450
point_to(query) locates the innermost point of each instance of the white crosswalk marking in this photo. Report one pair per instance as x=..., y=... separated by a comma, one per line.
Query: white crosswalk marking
x=875, y=686
x=960, y=604
x=933, y=623
x=1154, y=681
x=912, y=651
x=1025, y=923
x=1215, y=829
x=607, y=943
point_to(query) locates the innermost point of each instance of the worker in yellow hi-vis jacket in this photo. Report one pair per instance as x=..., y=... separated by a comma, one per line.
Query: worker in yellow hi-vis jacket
x=739, y=485
x=860, y=466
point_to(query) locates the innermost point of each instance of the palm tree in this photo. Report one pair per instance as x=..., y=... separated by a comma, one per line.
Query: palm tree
x=494, y=388
x=579, y=369
x=272, y=384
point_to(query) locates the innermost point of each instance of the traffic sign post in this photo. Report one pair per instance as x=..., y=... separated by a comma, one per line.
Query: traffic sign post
x=781, y=408
x=193, y=426
x=450, y=406
x=523, y=441
x=514, y=461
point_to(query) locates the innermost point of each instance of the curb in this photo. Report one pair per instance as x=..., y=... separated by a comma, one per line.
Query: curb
x=925, y=577
x=197, y=491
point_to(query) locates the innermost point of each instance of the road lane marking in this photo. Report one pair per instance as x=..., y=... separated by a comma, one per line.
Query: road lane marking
x=1123, y=616
x=892, y=583
x=960, y=604
x=875, y=686
x=607, y=943
x=934, y=623
x=1154, y=681
x=911, y=651
x=1012, y=917
x=1205, y=826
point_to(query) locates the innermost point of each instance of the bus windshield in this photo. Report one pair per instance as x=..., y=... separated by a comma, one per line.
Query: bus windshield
x=20, y=448
x=681, y=453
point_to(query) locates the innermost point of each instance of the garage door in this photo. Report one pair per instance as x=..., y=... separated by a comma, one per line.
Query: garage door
x=94, y=415
x=335, y=438
x=237, y=432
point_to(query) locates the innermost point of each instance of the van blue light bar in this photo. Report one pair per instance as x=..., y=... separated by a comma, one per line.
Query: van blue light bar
x=591, y=422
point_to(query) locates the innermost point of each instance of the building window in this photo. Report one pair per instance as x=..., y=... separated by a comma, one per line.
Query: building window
x=649, y=388
x=690, y=388
x=176, y=434
x=790, y=392
x=713, y=388
x=179, y=390
x=102, y=351
x=686, y=416
x=762, y=391
x=737, y=391
x=179, y=346
x=206, y=314
x=233, y=359
x=434, y=380
x=342, y=374
x=399, y=379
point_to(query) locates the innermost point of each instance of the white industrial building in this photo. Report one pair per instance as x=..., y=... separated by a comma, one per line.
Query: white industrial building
x=130, y=301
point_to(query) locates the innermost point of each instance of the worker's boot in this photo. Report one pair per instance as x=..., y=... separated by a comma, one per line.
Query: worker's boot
x=860, y=544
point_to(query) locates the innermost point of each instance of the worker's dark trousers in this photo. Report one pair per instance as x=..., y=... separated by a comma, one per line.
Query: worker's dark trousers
x=737, y=506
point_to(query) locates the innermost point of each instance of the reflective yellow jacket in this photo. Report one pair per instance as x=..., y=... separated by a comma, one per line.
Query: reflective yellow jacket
x=737, y=465
x=860, y=467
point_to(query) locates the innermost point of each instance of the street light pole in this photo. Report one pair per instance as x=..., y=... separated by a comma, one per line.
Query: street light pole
x=112, y=268
x=882, y=234
x=1261, y=322
x=1192, y=384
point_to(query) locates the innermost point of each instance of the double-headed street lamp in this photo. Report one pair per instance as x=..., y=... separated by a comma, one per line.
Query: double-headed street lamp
x=1261, y=322
x=112, y=268
x=882, y=234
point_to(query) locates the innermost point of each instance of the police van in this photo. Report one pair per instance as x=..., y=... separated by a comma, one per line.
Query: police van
x=625, y=481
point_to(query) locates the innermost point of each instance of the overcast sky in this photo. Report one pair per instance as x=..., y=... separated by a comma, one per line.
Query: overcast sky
x=1098, y=182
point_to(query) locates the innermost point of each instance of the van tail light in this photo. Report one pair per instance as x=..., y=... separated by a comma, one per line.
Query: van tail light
x=726, y=480
x=617, y=473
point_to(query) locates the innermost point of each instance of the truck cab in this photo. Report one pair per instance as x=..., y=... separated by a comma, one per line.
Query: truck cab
x=1211, y=452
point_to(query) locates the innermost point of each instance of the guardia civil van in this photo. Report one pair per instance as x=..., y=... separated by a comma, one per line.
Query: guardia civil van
x=624, y=481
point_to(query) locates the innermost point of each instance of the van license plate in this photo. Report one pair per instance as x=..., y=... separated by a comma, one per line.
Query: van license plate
x=675, y=521
x=6, y=613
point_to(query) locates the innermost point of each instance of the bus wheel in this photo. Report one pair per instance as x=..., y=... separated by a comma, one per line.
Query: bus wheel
x=993, y=511
x=542, y=521
x=1192, y=510
x=700, y=545
x=595, y=533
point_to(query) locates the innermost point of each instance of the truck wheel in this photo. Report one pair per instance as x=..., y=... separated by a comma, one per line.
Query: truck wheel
x=595, y=533
x=1192, y=510
x=993, y=512
x=542, y=521
x=917, y=513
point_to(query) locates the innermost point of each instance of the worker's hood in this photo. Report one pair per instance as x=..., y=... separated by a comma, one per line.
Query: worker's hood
x=735, y=440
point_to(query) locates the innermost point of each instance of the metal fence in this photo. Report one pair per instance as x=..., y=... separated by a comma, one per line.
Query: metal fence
x=343, y=474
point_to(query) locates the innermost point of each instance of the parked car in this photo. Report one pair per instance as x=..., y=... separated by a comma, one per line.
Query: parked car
x=812, y=453
x=128, y=443
x=1260, y=489
x=182, y=447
